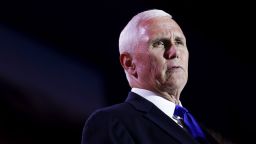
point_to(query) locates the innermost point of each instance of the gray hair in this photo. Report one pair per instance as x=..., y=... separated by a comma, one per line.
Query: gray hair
x=127, y=38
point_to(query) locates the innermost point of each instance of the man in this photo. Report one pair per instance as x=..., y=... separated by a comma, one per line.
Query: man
x=154, y=55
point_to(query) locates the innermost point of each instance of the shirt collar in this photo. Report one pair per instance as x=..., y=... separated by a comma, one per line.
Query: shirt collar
x=163, y=104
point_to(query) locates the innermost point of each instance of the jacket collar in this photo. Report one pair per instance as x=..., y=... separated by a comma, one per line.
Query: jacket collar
x=154, y=114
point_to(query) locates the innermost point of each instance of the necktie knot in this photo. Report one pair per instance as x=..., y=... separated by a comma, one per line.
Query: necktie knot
x=180, y=111
x=190, y=122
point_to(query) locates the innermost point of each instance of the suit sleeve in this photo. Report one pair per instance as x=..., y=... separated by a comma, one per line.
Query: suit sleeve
x=103, y=128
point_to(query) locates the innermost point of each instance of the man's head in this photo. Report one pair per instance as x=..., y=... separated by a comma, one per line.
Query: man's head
x=154, y=54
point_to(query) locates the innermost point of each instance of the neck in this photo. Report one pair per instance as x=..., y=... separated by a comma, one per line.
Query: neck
x=172, y=96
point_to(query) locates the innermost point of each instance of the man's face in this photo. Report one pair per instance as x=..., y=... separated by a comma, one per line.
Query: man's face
x=161, y=56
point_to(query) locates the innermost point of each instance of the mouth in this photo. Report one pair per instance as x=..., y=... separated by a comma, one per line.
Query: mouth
x=174, y=68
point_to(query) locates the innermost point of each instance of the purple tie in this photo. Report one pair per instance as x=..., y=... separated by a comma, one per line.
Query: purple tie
x=190, y=122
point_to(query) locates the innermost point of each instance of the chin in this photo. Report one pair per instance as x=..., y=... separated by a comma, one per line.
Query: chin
x=176, y=83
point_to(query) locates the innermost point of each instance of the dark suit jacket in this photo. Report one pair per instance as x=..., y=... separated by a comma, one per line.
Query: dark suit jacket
x=136, y=121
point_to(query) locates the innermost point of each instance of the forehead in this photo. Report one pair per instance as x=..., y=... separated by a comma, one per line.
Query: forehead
x=160, y=26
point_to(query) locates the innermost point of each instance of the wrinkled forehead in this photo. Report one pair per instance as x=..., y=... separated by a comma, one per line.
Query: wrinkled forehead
x=161, y=25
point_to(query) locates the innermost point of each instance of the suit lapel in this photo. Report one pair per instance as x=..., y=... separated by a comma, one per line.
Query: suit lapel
x=155, y=115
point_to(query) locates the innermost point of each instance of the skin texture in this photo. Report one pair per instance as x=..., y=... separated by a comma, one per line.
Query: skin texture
x=159, y=62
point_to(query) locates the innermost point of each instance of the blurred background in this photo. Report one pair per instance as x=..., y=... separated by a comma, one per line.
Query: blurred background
x=59, y=62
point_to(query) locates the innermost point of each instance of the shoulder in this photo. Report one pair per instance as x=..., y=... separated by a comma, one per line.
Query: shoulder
x=109, y=112
x=109, y=125
x=108, y=118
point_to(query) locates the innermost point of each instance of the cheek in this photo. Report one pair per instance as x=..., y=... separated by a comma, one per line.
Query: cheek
x=144, y=65
x=158, y=66
x=185, y=57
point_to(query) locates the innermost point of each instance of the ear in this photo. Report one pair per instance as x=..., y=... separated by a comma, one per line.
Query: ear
x=128, y=64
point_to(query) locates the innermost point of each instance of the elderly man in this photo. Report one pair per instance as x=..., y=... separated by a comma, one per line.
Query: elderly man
x=154, y=55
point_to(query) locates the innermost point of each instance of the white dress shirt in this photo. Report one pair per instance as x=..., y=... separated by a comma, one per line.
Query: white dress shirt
x=163, y=104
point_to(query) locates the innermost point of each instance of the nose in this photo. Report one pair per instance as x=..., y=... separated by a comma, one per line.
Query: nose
x=171, y=52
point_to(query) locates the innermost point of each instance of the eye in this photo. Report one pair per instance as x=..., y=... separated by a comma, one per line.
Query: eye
x=158, y=43
x=161, y=43
x=179, y=41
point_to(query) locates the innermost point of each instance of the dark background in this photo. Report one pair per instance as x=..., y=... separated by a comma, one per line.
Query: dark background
x=59, y=62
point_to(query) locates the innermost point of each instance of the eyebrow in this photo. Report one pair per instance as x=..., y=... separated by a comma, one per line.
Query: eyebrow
x=161, y=38
x=181, y=38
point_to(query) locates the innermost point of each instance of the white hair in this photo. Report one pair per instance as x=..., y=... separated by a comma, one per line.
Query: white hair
x=128, y=38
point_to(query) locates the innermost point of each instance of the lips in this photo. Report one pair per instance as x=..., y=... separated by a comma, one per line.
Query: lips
x=173, y=68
